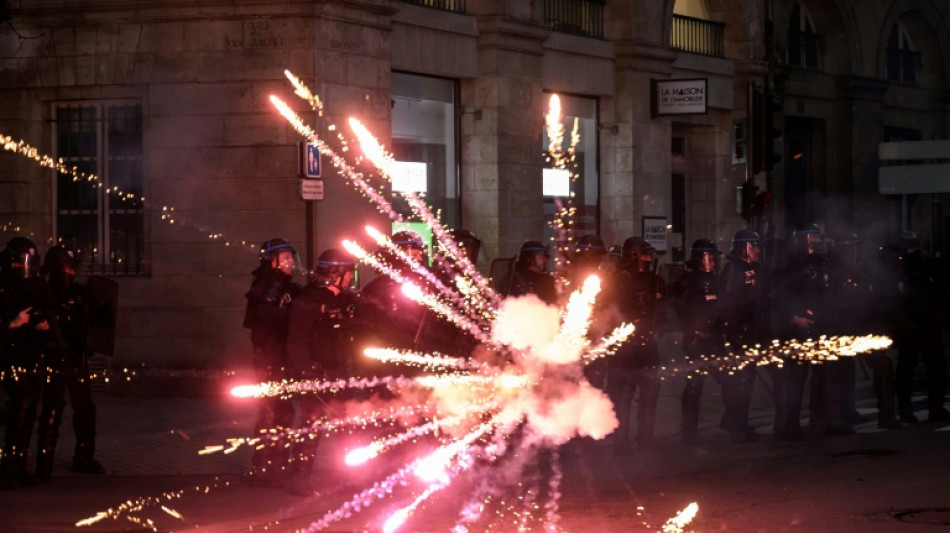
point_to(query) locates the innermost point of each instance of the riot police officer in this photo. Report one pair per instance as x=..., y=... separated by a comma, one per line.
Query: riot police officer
x=531, y=273
x=449, y=338
x=24, y=310
x=385, y=313
x=856, y=309
x=588, y=256
x=633, y=368
x=703, y=341
x=266, y=315
x=923, y=301
x=614, y=256
x=319, y=345
x=67, y=356
x=742, y=287
x=802, y=315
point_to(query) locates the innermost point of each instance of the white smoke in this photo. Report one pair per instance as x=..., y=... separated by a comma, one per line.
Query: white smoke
x=526, y=323
x=559, y=404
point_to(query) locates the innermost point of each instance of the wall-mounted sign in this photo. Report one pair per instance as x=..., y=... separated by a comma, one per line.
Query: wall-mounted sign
x=311, y=189
x=409, y=176
x=309, y=160
x=556, y=182
x=679, y=97
x=654, y=232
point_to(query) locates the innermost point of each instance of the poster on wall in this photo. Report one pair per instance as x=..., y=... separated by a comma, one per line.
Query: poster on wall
x=654, y=232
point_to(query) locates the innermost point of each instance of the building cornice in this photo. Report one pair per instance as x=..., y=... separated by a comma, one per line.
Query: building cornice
x=645, y=57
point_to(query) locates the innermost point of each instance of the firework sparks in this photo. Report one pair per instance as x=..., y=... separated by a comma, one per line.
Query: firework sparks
x=528, y=393
x=681, y=520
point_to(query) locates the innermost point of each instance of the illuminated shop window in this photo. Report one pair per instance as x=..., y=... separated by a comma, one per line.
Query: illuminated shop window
x=557, y=182
x=425, y=142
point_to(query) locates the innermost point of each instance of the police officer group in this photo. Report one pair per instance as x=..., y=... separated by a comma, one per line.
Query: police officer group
x=812, y=285
x=43, y=356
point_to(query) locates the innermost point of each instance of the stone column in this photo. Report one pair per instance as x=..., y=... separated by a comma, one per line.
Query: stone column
x=502, y=200
x=352, y=70
x=635, y=181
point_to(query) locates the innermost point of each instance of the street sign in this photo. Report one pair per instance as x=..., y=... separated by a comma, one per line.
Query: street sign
x=311, y=189
x=309, y=160
x=917, y=167
x=654, y=232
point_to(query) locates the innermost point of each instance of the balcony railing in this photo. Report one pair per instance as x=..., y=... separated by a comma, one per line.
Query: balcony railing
x=455, y=6
x=805, y=50
x=697, y=36
x=579, y=17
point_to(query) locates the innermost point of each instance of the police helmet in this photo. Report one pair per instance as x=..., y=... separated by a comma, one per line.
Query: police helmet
x=530, y=249
x=807, y=239
x=272, y=248
x=910, y=240
x=19, y=258
x=635, y=247
x=60, y=258
x=590, y=246
x=334, y=263
x=410, y=239
x=702, y=246
x=741, y=241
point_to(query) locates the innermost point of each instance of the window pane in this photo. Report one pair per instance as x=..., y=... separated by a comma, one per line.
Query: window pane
x=125, y=131
x=909, y=75
x=584, y=183
x=893, y=67
x=77, y=195
x=794, y=52
x=424, y=133
x=104, y=139
x=127, y=240
x=811, y=51
x=76, y=132
x=79, y=231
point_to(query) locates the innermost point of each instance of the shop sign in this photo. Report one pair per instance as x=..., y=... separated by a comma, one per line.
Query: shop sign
x=679, y=97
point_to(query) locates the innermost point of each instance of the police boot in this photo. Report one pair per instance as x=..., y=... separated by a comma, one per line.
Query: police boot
x=884, y=390
x=83, y=461
x=301, y=472
x=906, y=411
x=18, y=434
x=46, y=436
x=936, y=392
x=690, y=409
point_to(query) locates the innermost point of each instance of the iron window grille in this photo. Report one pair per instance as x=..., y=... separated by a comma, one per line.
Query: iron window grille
x=107, y=229
x=577, y=17
x=454, y=6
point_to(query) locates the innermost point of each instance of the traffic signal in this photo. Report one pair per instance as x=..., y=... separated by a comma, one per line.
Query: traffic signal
x=772, y=110
x=765, y=110
x=746, y=199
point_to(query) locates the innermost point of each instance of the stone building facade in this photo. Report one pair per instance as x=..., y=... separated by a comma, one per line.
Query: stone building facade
x=168, y=99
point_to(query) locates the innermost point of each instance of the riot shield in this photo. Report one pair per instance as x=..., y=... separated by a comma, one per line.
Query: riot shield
x=101, y=315
x=501, y=272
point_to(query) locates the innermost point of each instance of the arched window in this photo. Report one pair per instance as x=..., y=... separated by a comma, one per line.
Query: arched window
x=902, y=62
x=803, y=44
x=691, y=8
